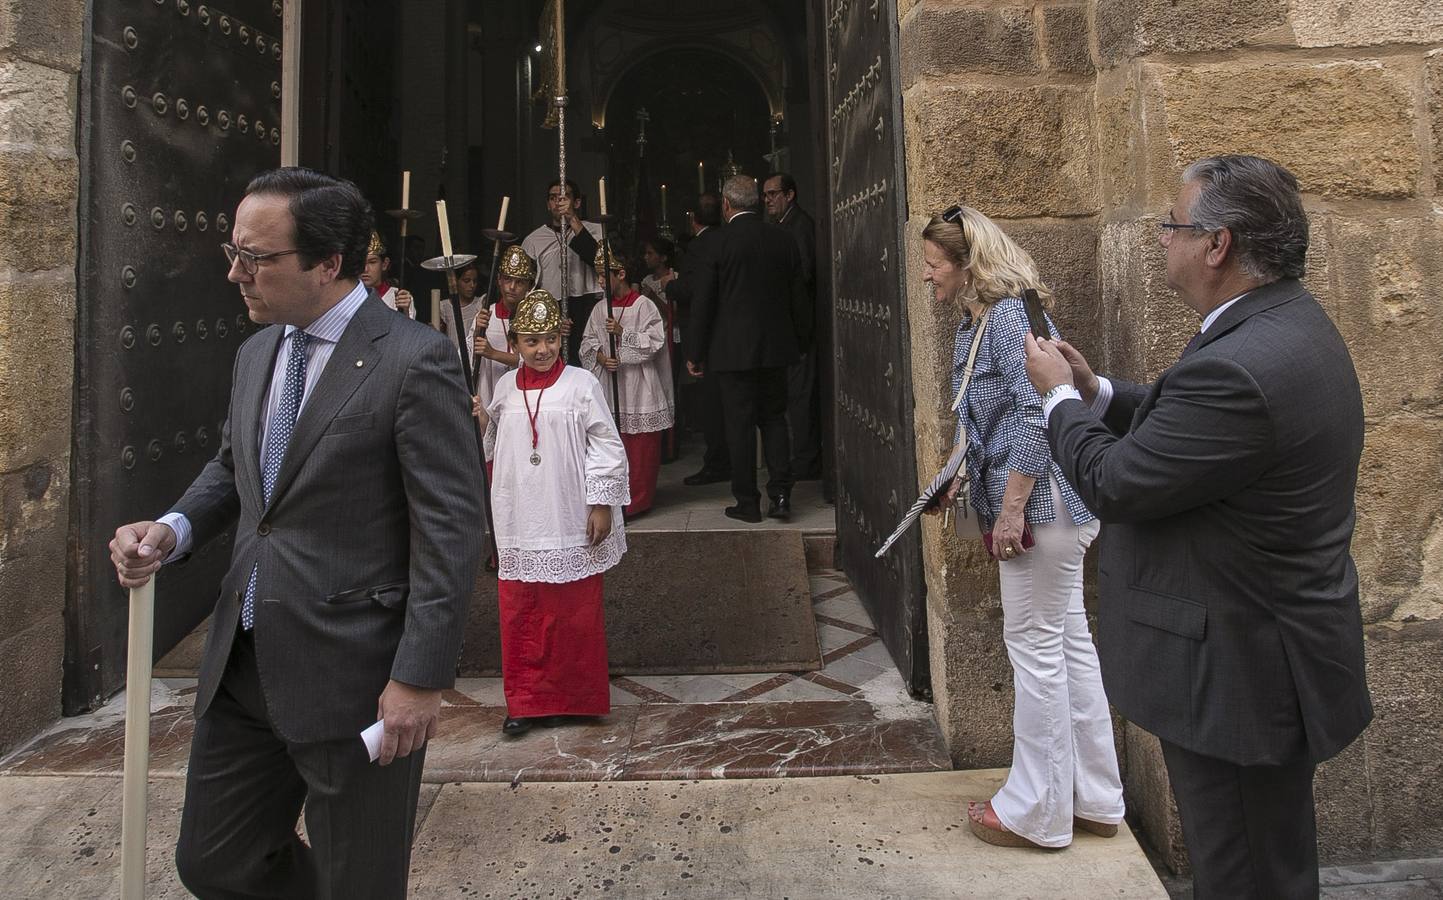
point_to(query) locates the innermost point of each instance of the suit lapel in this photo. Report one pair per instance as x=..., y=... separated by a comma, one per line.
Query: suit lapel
x=351, y=363
x=254, y=382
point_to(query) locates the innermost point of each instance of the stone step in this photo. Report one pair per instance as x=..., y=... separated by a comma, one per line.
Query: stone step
x=802, y=838
x=689, y=603
x=679, y=603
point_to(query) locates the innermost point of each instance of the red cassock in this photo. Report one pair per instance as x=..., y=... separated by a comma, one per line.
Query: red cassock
x=553, y=648
x=643, y=461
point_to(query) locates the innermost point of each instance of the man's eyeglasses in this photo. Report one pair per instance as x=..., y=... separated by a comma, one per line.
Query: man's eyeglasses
x=1167, y=227
x=775, y=193
x=251, y=262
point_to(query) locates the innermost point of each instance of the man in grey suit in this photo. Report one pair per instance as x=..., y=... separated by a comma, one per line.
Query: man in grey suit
x=1228, y=621
x=349, y=470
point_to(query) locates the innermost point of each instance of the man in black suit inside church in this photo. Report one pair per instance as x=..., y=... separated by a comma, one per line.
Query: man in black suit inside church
x=749, y=322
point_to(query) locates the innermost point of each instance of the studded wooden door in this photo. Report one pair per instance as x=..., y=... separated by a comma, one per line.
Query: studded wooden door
x=180, y=106
x=876, y=464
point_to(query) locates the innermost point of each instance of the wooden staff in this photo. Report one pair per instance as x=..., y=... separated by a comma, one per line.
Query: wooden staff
x=139, y=649
x=466, y=369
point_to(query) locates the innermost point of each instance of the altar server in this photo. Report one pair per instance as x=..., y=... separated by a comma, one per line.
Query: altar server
x=642, y=367
x=376, y=275
x=560, y=480
x=487, y=337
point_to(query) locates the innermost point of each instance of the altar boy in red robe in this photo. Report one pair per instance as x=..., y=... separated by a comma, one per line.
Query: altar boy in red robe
x=559, y=484
x=642, y=367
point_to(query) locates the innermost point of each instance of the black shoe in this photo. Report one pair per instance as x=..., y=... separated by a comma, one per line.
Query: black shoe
x=516, y=727
x=706, y=476
x=781, y=507
x=747, y=512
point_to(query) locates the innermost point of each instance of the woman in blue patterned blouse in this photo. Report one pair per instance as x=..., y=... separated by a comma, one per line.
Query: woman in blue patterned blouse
x=1064, y=765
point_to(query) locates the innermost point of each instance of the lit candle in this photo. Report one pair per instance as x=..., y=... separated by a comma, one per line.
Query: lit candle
x=601, y=189
x=406, y=189
x=663, y=204
x=701, y=178
x=445, y=228
x=505, y=205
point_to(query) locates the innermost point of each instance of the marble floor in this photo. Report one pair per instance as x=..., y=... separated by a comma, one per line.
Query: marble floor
x=853, y=717
x=682, y=508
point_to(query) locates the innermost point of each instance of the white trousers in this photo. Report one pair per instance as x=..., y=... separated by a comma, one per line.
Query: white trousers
x=1064, y=762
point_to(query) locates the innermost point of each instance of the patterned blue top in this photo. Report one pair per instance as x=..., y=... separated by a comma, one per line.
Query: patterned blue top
x=1003, y=416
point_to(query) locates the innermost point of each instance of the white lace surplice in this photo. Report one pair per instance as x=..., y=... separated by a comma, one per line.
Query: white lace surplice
x=540, y=511
x=645, y=388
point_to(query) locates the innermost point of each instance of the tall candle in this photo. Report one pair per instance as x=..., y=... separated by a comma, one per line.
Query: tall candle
x=445, y=228
x=406, y=189
x=601, y=190
x=436, y=308
x=701, y=178
x=663, y=204
x=505, y=205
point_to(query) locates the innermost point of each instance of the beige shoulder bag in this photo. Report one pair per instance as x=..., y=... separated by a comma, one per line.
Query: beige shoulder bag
x=964, y=519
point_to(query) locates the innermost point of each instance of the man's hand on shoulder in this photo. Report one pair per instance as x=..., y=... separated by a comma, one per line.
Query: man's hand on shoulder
x=411, y=714
x=138, y=549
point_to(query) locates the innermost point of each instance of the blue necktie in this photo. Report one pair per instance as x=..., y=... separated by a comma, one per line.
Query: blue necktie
x=278, y=438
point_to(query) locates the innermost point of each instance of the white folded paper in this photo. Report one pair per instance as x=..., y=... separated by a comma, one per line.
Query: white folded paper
x=371, y=737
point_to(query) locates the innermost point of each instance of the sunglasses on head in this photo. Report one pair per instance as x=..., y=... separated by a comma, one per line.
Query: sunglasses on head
x=953, y=214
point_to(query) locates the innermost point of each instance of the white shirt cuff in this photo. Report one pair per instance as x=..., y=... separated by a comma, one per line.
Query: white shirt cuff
x=1056, y=396
x=1104, y=396
x=181, y=526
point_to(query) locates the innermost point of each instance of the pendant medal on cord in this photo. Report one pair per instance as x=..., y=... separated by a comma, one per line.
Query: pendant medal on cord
x=535, y=435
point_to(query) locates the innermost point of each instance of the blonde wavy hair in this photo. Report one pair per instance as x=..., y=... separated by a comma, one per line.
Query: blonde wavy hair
x=1000, y=268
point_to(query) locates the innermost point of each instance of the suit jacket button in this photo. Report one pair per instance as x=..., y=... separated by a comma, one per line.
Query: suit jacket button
x=263, y=529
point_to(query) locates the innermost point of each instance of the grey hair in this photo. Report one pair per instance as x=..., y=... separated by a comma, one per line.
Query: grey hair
x=1258, y=201
x=741, y=192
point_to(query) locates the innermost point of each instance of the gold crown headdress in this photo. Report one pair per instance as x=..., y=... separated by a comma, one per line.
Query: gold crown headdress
x=377, y=246
x=600, y=260
x=515, y=263
x=537, y=313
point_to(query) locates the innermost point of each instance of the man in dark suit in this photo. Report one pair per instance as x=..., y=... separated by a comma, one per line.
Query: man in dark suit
x=1228, y=622
x=705, y=397
x=750, y=320
x=779, y=193
x=349, y=470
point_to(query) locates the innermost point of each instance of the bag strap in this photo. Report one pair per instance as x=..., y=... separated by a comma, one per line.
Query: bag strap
x=971, y=359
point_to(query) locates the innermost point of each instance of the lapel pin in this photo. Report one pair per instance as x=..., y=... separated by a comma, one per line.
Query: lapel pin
x=360, y=362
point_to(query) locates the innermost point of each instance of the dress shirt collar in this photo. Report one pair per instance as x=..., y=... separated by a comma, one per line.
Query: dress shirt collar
x=744, y=212
x=332, y=323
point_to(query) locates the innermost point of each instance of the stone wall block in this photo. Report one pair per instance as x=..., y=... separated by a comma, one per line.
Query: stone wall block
x=1010, y=152
x=1130, y=28
x=1400, y=494
x=1066, y=256
x=48, y=32
x=1148, y=794
x=1386, y=297
x=37, y=319
x=1120, y=142
x=34, y=510
x=1067, y=39
x=1146, y=326
x=30, y=669
x=1345, y=129
x=1348, y=23
x=1433, y=69
x=38, y=227
x=37, y=106
x=943, y=39
x=1404, y=766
